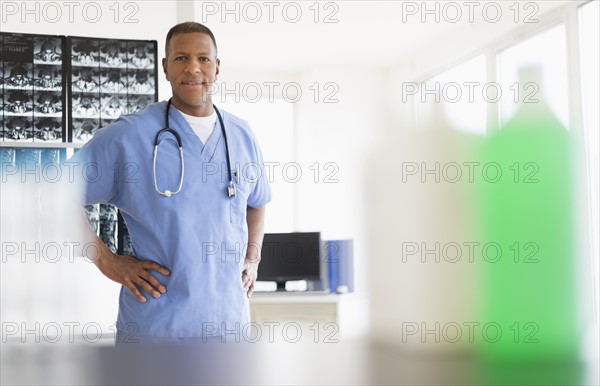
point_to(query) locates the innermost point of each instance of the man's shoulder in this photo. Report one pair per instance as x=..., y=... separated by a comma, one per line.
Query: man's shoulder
x=128, y=130
x=234, y=119
x=238, y=125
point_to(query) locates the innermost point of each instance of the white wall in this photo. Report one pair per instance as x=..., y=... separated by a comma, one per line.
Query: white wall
x=339, y=137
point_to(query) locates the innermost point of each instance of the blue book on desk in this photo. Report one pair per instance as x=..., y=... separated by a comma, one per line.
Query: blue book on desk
x=340, y=264
x=332, y=265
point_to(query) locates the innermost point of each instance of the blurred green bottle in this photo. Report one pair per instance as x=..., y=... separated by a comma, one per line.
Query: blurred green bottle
x=529, y=312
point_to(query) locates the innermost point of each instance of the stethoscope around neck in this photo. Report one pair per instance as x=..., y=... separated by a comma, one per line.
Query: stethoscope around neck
x=158, y=140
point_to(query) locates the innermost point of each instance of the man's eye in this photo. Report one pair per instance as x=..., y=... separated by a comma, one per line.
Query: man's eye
x=180, y=58
x=204, y=59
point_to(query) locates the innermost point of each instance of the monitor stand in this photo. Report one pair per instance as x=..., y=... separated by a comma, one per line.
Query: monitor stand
x=281, y=286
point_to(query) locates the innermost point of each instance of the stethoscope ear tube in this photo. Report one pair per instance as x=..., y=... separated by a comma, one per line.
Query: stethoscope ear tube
x=157, y=141
x=167, y=192
x=231, y=187
x=167, y=129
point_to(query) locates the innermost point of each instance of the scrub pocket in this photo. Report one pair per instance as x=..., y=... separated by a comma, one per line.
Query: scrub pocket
x=244, y=185
x=239, y=203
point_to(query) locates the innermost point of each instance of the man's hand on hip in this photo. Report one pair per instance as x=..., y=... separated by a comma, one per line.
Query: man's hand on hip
x=134, y=274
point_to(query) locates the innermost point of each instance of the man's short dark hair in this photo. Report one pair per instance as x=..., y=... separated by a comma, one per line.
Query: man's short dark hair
x=187, y=28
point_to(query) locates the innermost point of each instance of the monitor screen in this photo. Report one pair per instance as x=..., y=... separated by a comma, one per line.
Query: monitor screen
x=290, y=256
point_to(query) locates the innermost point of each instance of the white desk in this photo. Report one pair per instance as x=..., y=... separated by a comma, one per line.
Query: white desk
x=293, y=316
x=294, y=306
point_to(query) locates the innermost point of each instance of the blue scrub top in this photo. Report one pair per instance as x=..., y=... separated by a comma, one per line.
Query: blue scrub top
x=200, y=234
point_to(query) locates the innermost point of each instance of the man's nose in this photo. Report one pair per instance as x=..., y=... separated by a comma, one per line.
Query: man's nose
x=193, y=67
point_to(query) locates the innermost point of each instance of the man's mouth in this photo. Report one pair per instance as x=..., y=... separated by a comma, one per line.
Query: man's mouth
x=192, y=82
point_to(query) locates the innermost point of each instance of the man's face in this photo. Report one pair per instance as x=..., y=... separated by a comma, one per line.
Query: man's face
x=191, y=66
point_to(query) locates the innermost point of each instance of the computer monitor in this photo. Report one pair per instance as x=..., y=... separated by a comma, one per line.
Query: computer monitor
x=290, y=256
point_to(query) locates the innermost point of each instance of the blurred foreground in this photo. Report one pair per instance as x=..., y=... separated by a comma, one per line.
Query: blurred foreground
x=269, y=363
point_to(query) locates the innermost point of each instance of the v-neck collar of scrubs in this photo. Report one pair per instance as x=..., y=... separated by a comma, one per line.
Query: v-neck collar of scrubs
x=189, y=137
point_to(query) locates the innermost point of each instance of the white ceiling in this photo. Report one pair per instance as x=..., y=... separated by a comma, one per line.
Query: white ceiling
x=368, y=33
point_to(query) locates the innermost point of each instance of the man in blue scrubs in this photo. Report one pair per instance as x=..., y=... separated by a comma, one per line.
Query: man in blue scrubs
x=196, y=251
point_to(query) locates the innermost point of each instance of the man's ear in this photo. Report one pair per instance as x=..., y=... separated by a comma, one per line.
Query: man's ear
x=218, y=61
x=164, y=64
